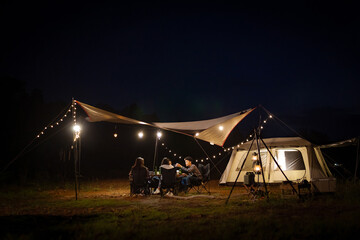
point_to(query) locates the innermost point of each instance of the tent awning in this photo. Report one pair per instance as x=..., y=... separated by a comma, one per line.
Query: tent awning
x=214, y=130
x=98, y=115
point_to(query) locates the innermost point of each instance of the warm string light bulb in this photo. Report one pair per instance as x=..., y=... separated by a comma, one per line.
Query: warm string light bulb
x=52, y=125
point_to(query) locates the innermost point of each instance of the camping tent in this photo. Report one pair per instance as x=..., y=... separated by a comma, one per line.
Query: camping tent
x=298, y=158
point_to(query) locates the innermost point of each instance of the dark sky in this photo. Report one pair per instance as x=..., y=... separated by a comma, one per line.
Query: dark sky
x=187, y=61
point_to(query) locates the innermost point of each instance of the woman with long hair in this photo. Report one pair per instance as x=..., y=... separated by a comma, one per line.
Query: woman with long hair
x=139, y=175
x=139, y=162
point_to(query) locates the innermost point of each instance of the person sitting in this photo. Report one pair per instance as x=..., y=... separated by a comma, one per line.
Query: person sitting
x=166, y=164
x=139, y=176
x=192, y=173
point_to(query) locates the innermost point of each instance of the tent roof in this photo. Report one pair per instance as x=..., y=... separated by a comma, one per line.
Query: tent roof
x=279, y=142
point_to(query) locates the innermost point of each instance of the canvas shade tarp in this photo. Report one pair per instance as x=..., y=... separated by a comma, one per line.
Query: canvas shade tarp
x=98, y=115
x=214, y=131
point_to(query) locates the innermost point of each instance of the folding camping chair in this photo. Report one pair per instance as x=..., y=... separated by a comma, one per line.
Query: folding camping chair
x=198, y=184
x=205, y=172
x=139, y=183
x=168, y=181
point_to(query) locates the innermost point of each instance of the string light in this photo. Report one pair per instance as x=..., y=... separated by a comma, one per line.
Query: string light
x=159, y=135
x=51, y=125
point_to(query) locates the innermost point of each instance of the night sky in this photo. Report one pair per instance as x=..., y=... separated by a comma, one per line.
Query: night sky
x=190, y=61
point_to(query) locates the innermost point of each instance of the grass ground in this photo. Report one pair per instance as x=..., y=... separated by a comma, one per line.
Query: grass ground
x=105, y=210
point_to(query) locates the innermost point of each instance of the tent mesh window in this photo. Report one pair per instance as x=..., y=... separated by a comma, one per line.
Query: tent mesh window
x=289, y=159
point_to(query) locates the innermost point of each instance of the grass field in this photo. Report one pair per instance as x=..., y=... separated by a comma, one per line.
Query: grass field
x=105, y=210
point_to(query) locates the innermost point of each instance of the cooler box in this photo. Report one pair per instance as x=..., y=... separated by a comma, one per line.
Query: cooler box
x=249, y=178
x=324, y=185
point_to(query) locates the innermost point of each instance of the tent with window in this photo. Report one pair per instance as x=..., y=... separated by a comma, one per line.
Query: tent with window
x=298, y=158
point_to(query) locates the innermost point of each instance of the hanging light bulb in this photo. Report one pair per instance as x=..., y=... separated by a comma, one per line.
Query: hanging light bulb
x=197, y=134
x=140, y=134
x=221, y=127
x=115, y=135
x=76, y=128
x=257, y=167
x=254, y=156
x=159, y=134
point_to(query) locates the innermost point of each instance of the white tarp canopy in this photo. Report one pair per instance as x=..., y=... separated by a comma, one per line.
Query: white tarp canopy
x=214, y=130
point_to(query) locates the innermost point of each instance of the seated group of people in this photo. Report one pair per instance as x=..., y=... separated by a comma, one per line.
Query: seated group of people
x=190, y=174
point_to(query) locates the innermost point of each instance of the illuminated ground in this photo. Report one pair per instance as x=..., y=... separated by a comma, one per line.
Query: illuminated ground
x=105, y=210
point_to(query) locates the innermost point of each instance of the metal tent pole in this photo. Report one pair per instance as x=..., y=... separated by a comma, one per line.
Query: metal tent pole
x=242, y=165
x=155, y=153
x=75, y=169
x=261, y=166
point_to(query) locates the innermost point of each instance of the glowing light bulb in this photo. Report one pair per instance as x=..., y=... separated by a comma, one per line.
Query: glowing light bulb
x=76, y=128
x=159, y=134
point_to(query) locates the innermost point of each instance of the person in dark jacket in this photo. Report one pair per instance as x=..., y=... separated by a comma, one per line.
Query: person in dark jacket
x=192, y=173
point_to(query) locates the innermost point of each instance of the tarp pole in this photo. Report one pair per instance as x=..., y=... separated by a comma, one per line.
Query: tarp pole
x=75, y=169
x=76, y=146
x=262, y=170
x=242, y=165
x=155, y=153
